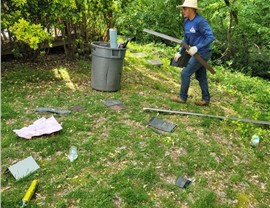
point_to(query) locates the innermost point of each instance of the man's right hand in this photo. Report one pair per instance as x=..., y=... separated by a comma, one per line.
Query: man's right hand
x=177, y=56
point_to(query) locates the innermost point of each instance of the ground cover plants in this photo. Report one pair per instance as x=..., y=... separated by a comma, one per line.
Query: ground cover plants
x=122, y=162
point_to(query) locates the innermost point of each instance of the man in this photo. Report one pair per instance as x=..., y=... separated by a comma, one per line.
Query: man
x=198, y=35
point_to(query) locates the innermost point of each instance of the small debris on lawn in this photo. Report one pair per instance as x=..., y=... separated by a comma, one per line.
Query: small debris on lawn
x=5, y=188
x=23, y=168
x=73, y=153
x=39, y=127
x=182, y=182
x=114, y=104
x=161, y=125
x=255, y=140
x=155, y=62
x=52, y=110
x=30, y=192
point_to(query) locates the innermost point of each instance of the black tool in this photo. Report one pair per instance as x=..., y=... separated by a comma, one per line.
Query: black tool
x=182, y=61
x=125, y=44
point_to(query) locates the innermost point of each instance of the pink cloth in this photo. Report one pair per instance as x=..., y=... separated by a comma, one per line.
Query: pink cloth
x=39, y=127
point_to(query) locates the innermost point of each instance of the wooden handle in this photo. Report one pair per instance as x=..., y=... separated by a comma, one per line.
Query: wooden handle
x=186, y=46
x=200, y=59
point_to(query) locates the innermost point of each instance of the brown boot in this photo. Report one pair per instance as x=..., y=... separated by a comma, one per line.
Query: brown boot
x=202, y=103
x=177, y=99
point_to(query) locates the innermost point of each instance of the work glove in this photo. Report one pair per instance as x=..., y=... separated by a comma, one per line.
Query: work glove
x=192, y=50
x=177, y=56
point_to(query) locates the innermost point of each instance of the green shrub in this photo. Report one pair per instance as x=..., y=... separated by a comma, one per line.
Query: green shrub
x=31, y=34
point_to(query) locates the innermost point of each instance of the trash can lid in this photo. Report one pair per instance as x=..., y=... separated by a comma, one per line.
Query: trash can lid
x=101, y=44
x=105, y=45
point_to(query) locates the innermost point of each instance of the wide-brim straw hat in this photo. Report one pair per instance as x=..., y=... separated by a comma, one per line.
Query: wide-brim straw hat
x=190, y=3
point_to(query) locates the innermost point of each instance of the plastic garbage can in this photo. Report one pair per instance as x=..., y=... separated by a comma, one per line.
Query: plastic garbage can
x=107, y=64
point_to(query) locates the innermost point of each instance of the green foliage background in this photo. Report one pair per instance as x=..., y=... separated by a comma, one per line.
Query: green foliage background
x=241, y=27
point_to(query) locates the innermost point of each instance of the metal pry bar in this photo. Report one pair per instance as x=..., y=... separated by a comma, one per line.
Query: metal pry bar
x=186, y=46
x=207, y=115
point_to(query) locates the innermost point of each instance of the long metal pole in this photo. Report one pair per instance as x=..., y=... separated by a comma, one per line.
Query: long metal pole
x=207, y=115
x=186, y=46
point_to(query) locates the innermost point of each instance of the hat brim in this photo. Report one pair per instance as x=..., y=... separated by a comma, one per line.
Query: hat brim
x=181, y=6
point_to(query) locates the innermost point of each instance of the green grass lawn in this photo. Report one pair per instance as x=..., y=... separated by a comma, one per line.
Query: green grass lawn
x=122, y=162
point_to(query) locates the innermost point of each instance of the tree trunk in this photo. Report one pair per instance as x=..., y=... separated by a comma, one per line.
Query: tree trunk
x=229, y=36
x=109, y=23
x=233, y=16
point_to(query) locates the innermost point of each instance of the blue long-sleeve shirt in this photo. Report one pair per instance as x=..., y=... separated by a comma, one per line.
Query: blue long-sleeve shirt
x=197, y=32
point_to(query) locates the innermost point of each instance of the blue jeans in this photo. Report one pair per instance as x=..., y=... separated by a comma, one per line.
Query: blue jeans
x=193, y=66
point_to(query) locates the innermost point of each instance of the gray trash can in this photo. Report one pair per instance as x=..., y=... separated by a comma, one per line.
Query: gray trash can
x=107, y=64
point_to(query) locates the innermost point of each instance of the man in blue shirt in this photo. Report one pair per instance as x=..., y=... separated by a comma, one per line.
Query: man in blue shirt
x=199, y=36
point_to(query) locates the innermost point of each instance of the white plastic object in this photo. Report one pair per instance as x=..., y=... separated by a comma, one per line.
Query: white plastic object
x=73, y=153
x=255, y=140
x=113, y=38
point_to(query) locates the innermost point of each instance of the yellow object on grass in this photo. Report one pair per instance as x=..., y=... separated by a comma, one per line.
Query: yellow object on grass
x=30, y=192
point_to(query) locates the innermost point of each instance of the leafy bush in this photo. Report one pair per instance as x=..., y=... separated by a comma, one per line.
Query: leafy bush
x=32, y=34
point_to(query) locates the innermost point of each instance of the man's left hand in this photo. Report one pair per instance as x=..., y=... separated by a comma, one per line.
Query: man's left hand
x=192, y=50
